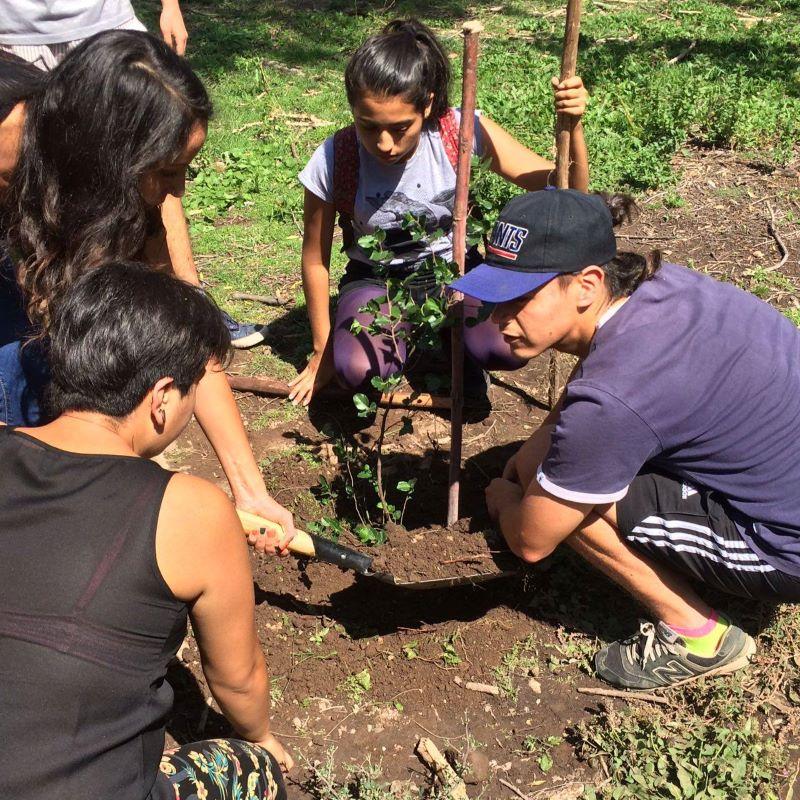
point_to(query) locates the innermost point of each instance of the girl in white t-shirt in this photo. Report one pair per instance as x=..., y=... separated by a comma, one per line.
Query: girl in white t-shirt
x=400, y=157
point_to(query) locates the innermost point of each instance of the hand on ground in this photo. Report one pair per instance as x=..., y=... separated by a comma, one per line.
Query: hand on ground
x=270, y=540
x=571, y=96
x=172, y=27
x=500, y=494
x=318, y=373
x=276, y=750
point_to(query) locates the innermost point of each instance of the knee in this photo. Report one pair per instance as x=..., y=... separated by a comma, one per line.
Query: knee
x=353, y=371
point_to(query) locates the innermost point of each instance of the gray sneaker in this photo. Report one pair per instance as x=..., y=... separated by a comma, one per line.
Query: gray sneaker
x=656, y=656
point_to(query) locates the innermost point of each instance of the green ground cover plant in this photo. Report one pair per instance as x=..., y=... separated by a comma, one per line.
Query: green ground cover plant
x=660, y=74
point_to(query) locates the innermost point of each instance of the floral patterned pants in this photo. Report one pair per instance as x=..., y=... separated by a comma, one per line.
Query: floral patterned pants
x=218, y=769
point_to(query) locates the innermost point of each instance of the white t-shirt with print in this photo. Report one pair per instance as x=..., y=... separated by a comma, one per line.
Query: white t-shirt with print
x=425, y=184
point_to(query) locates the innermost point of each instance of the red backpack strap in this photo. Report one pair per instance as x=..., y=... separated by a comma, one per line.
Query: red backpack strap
x=448, y=130
x=345, y=170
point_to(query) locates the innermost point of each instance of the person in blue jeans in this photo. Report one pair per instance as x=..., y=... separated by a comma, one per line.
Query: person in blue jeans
x=671, y=463
x=43, y=33
x=22, y=374
x=106, y=555
x=82, y=194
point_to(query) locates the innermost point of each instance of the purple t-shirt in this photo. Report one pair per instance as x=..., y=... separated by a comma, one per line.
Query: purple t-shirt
x=701, y=380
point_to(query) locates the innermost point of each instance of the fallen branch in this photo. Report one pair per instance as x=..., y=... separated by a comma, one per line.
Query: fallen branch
x=650, y=698
x=431, y=756
x=517, y=792
x=271, y=387
x=266, y=299
x=773, y=232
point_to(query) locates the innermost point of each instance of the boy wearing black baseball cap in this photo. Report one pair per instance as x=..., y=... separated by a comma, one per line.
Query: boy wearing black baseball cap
x=673, y=452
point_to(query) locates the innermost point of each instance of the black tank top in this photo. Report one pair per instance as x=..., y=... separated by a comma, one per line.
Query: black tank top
x=87, y=624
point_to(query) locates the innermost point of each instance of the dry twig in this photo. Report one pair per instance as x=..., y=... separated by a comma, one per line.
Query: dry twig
x=773, y=232
x=517, y=792
x=650, y=698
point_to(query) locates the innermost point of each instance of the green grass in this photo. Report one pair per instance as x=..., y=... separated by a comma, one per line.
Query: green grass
x=274, y=70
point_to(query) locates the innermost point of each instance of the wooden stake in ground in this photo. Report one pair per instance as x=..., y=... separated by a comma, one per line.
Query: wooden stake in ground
x=466, y=133
x=564, y=126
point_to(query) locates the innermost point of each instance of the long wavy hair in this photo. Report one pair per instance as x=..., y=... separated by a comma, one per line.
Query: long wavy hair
x=120, y=104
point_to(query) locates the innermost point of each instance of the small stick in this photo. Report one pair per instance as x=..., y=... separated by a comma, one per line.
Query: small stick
x=678, y=58
x=266, y=299
x=650, y=698
x=483, y=688
x=517, y=792
x=261, y=384
x=466, y=132
x=465, y=559
x=437, y=763
x=773, y=232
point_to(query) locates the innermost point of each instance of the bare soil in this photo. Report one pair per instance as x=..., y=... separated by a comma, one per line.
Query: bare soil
x=319, y=625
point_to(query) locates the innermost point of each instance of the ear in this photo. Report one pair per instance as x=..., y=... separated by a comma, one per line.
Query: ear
x=160, y=398
x=591, y=285
x=428, y=108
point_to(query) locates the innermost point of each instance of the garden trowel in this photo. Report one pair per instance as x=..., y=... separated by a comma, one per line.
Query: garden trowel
x=312, y=546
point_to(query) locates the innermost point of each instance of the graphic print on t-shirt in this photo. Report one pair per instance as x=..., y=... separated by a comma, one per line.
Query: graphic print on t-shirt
x=391, y=208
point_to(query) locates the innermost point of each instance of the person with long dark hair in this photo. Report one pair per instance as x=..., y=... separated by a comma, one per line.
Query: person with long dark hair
x=108, y=137
x=44, y=34
x=397, y=159
x=671, y=463
x=105, y=554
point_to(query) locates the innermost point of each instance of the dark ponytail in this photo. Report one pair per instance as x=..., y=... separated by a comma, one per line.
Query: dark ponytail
x=627, y=271
x=404, y=59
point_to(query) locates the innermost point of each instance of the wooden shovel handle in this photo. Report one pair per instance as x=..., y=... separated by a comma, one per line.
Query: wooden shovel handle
x=302, y=544
x=312, y=546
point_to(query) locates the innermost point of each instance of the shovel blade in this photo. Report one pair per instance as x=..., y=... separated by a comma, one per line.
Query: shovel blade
x=441, y=583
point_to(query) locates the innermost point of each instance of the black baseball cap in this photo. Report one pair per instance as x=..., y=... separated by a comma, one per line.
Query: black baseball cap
x=538, y=236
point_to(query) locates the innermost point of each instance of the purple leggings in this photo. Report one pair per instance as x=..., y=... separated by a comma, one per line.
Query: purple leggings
x=359, y=358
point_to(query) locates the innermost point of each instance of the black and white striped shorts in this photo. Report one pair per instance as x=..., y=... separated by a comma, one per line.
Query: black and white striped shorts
x=693, y=530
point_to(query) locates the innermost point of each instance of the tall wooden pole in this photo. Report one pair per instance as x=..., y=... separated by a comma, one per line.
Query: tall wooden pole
x=470, y=31
x=564, y=122
x=564, y=126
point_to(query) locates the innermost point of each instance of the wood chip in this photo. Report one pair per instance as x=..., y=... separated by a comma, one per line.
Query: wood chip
x=485, y=688
x=431, y=756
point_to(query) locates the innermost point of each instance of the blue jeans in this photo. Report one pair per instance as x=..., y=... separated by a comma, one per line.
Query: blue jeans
x=23, y=378
x=23, y=370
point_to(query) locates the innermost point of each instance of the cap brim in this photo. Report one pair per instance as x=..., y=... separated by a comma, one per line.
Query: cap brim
x=498, y=285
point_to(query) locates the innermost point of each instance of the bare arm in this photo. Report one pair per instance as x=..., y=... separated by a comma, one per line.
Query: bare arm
x=201, y=552
x=219, y=417
x=521, y=166
x=172, y=26
x=533, y=523
x=318, y=222
x=179, y=245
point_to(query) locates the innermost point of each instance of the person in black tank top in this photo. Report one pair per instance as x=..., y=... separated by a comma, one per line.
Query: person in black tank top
x=105, y=554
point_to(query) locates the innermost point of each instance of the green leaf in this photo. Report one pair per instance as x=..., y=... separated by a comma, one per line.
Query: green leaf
x=545, y=762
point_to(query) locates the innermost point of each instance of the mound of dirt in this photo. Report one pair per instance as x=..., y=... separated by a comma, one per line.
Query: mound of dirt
x=435, y=553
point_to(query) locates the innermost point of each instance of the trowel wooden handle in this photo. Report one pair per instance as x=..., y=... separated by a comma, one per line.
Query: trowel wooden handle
x=301, y=545
x=307, y=544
